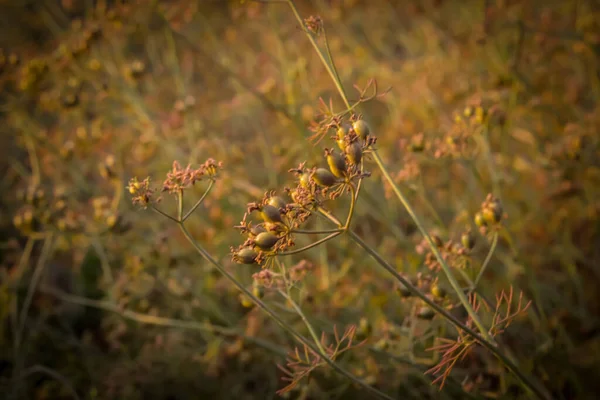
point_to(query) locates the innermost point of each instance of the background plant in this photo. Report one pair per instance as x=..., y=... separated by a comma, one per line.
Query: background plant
x=499, y=100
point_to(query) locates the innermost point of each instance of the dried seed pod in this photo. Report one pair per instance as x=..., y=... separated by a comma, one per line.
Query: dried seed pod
x=337, y=163
x=361, y=128
x=277, y=202
x=425, y=312
x=271, y=214
x=354, y=153
x=323, y=177
x=437, y=241
x=266, y=240
x=246, y=256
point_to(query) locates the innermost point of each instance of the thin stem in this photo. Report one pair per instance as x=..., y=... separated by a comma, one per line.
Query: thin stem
x=453, y=282
x=163, y=214
x=310, y=328
x=180, y=205
x=160, y=321
x=186, y=216
x=352, y=204
x=310, y=246
x=321, y=231
x=327, y=65
x=455, y=321
x=278, y=319
x=485, y=263
x=329, y=216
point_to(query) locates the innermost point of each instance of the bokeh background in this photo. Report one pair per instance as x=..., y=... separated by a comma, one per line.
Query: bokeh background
x=100, y=300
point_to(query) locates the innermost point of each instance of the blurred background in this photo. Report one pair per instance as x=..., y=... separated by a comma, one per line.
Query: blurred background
x=100, y=300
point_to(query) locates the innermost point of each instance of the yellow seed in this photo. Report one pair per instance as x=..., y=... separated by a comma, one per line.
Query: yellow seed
x=361, y=128
x=337, y=164
x=323, y=177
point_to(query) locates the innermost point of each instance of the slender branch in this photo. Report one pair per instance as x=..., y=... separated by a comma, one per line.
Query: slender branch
x=327, y=65
x=163, y=214
x=485, y=263
x=455, y=321
x=159, y=321
x=310, y=246
x=453, y=282
x=310, y=328
x=187, y=215
x=278, y=319
x=321, y=231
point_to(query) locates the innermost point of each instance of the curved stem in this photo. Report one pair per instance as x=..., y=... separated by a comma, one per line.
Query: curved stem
x=352, y=203
x=278, y=319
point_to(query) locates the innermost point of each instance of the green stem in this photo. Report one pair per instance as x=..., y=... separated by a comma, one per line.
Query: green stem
x=327, y=65
x=310, y=246
x=309, y=326
x=278, y=319
x=455, y=321
x=453, y=282
x=485, y=262
x=187, y=214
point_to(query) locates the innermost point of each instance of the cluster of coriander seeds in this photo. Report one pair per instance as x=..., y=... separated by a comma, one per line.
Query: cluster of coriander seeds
x=279, y=217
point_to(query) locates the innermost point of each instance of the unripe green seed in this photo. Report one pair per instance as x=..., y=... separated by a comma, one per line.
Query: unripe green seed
x=479, y=220
x=492, y=214
x=246, y=256
x=337, y=164
x=438, y=291
x=364, y=328
x=354, y=152
x=270, y=214
x=426, y=313
x=323, y=177
x=257, y=229
x=305, y=180
x=468, y=240
x=277, y=202
x=266, y=240
x=361, y=128
x=343, y=131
